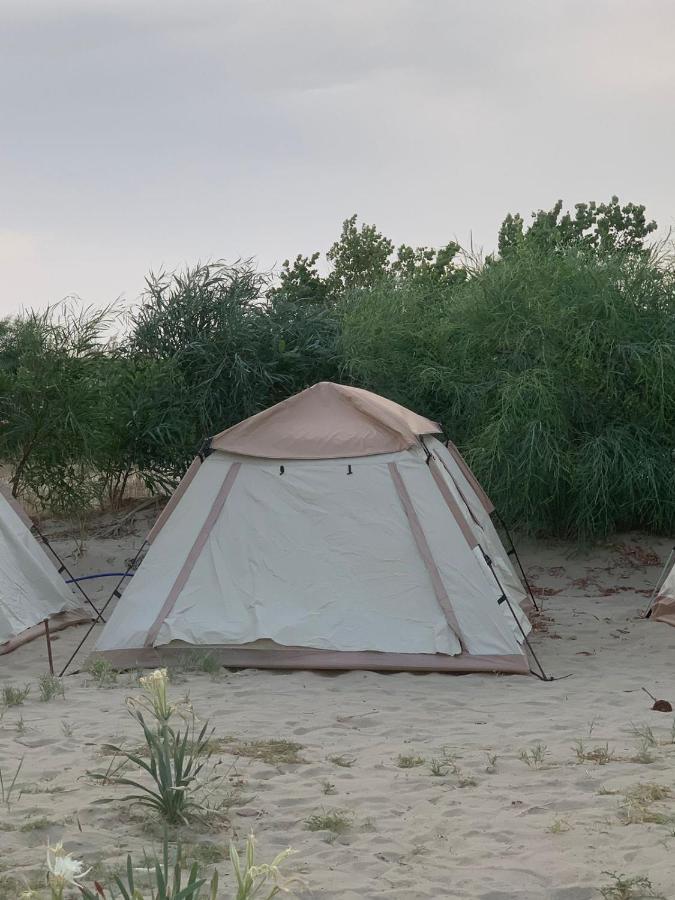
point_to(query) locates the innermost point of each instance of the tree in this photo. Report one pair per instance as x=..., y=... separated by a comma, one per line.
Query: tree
x=360, y=257
x=301, y=282
x=598, y=227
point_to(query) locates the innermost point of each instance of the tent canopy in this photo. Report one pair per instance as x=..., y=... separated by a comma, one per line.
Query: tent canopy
x=326, y=421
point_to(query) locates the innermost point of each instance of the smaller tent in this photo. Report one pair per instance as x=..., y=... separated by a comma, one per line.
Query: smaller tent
x=331, y=531
x=662, y=606
x=31, y=589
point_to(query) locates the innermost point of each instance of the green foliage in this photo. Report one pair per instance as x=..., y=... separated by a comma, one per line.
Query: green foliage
x=554, y=373
x=601, y=227
x=168, y=881
x=551, y=365
x=51, y=404
x=175, y=760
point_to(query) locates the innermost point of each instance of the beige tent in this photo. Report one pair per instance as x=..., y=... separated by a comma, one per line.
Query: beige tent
x=662, y=605
x=31, y=589
x=331, y=531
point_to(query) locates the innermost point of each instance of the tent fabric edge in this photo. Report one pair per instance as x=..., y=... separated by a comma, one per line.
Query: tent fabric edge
x=315, y=659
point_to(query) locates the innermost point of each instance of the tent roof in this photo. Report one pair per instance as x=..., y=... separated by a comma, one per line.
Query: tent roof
x=326, y=421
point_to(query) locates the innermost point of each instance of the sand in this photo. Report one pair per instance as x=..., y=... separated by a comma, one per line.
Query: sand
x=489, y=826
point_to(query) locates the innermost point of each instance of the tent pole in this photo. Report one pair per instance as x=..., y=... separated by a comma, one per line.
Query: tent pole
x=543, y=676
x=64, y=568
x=49, y=647
x=517, y=558
x=661, y=581
x=115, y=593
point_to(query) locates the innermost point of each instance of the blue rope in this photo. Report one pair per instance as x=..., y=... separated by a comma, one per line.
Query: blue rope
x=100, y=575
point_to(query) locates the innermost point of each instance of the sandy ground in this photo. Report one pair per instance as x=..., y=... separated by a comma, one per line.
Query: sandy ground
x=489, y=826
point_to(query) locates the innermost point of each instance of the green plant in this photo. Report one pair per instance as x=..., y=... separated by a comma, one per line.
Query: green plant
x=404, y=761
x=636, y=807
x=624, y=887
x=601, y=755
x=535, y=757
x=12, y=696
x=168, y=881
x=644, y=754
x=327, y=787
x=174, y=759
x=50, y=687
x=337, y=821
x=67, y=728
x=645, y=734
x=438, y=768
x=257, y=880
x=344, y=762
x=491, y=763
x=102, y=672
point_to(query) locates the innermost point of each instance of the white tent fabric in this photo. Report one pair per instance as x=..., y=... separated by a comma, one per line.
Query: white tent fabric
x=31, y=590
x=486, y=534
x=334, y=562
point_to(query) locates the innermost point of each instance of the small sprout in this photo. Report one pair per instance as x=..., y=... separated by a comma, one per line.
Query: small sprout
x=491, y=766
x=466, y=781
x=345, y=762
x=327, y=787
x=66, y=728
x=558, y=826
x=20, y=725
x=644, y=754
x=645, y=734
x=438, y=768
x=409, y=762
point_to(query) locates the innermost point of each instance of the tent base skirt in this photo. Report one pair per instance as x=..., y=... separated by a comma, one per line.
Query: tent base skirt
x=278, y=657
x=57, y=622
x=663, y=610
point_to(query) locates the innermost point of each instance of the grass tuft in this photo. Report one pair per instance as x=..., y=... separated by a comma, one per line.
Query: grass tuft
x=336, y=821
x=103, y=674
x=12, y=696
x=409, y=762
x=601, y=755
x=50, y=687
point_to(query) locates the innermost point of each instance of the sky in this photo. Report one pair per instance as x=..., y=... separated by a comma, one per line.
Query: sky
x=140, y=135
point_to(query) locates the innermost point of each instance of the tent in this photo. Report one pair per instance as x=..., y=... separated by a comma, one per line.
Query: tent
x=331, y=531
x=662, y=602
x=31, y=588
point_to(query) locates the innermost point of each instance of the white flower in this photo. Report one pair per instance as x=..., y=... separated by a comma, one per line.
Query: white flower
x=63, y=869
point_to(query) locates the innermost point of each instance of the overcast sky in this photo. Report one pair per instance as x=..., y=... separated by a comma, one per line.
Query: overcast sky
x=141, y=134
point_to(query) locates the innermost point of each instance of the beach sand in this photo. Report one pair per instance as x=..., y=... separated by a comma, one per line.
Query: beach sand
x=490, y=826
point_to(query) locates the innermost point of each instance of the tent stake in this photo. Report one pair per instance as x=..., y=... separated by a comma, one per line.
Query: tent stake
x=49, y=647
